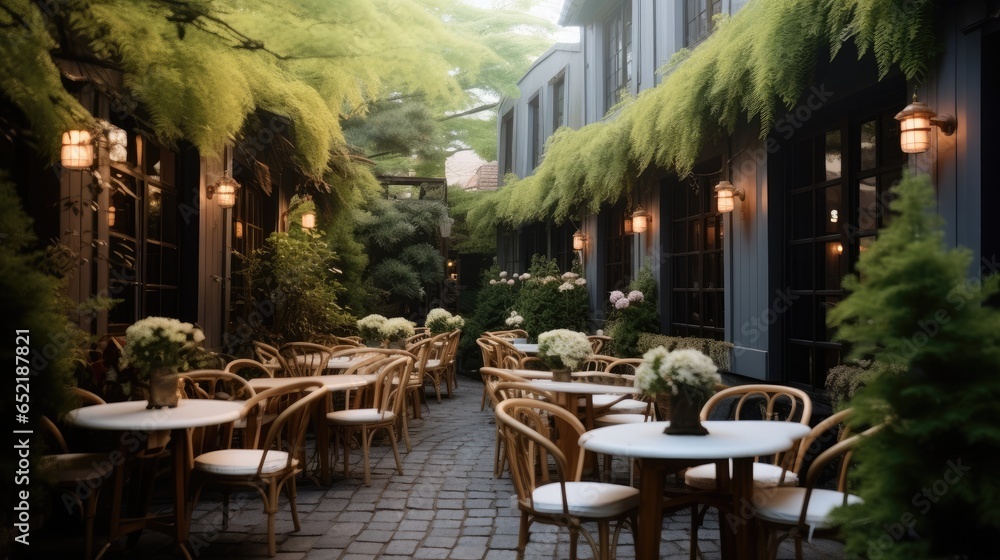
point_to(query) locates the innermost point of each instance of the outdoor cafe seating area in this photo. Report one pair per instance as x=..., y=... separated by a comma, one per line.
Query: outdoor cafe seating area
x=588, y=456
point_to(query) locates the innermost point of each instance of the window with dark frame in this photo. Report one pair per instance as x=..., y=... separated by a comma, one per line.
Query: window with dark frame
x=837, y=199
x=559, y=102
x=618, y=53
x=618, y=248
x=697, y=284
x=699, y=15
x=507, y=137
x=143, y=254
x=535, y=126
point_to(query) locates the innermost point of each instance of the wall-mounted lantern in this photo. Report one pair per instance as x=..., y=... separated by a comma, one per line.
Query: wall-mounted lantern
x=309, y=219
x=111, y=216
x=77, y=149
x=579, y=241
x=224, y=191
x=640, y=220
x=725, y=193
x=915, y=122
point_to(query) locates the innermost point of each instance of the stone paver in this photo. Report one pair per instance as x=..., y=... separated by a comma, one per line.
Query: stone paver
x=447, y=505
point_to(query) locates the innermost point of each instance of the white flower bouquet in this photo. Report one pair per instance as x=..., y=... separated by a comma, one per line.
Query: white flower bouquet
x=370, y=327
x=441, y=321
x=563, y=348
x=158, y=342
x=514, y=320
x=397, y=328
x=684, y=372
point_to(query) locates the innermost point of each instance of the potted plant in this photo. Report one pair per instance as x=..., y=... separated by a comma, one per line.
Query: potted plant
x=157, y=348
x=563, y=350
x=370, y=329
x=688, y=376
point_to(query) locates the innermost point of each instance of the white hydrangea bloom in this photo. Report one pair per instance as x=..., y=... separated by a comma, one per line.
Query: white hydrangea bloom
x=616, y=295
x=635, y=295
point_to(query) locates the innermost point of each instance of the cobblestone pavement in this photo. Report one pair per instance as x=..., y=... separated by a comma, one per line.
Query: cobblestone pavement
x=447, y=505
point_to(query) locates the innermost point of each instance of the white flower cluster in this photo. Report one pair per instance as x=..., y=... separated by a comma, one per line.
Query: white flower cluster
x=686, y=371
x=159, y=341
x=505, y=280
x=570, y=280
x=621, y=301
x=370, y=327
x=396, y=328
x=563, y=348
x=514, y=319
x=441, y=320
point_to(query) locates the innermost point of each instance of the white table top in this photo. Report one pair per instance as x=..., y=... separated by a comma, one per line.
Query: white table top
x=133, y=415
x=580, y=388
x=346, y=362
x=725, y=439
x=526, y=347
x=332, y=382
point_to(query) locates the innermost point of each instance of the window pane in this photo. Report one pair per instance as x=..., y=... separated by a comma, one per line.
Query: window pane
x=886, y=182
x=799, y=363
x=154, y=220
x=891, y=153
x=832, y=161
x=802, y=313
x=801, y=265
x=833, y=256
x=868, y=208
x=829, y=211
x=802, y=164
x=802, y=215
x=868, y=145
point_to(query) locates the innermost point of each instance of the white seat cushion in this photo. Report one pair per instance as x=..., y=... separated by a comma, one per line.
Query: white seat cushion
x=764, y=476
x=586, y=499
x=601, y=399
x=432, y=363
x=241, y=461
x=629, y=406
x=360, y=416
x=784, y=505
x=615, y=419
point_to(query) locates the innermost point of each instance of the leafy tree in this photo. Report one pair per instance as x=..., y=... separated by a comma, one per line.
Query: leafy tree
x=928, y=478
x=400, y=238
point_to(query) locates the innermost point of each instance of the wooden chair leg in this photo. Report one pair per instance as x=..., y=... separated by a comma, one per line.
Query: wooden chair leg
x=395, y=449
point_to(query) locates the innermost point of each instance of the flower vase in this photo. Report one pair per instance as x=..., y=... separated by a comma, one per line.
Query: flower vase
x=562, y=375
x=685, y=417
x=163, y=388
x=397, y=343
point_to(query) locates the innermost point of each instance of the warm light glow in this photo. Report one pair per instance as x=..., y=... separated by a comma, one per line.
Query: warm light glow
x=308, y=220
x=915, y=134
x=915, y=123
x=239, y=229
x=579, y=241
x=111, y=216
x=451, y=264
x=725, y=195
x=640, y=220
x=224, y=191
x=77, y=150
x=840, y=248
x=834, y=216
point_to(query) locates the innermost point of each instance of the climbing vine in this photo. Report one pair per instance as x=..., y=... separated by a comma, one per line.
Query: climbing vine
x=756, y=64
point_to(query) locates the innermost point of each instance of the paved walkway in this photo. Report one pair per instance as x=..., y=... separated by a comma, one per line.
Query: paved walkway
x=447, y=505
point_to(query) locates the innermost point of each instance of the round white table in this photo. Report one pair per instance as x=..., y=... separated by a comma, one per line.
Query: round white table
x=661, y=454
x=133, y=416
x=525, y=347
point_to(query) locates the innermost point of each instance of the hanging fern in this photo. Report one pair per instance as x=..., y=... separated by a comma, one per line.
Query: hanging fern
x=754, y=66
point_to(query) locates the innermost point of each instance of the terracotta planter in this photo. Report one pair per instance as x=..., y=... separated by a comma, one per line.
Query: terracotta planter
x=163, y=388
x=684, y=417
x=563, y=375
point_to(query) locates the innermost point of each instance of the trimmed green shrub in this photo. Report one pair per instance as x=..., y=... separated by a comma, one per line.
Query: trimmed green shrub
x=628, y=320
x=719, y=350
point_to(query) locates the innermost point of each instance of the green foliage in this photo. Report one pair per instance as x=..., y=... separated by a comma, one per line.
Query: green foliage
x=197, y=70
x=718, y=350
x=845, y=380
x=463, y=240
x=400, y=238
x=550, y=300
x=292, y=277
x=493, y=303
x=913, y=307
x=33, y=302
x=625, y=325
x=754, y=66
